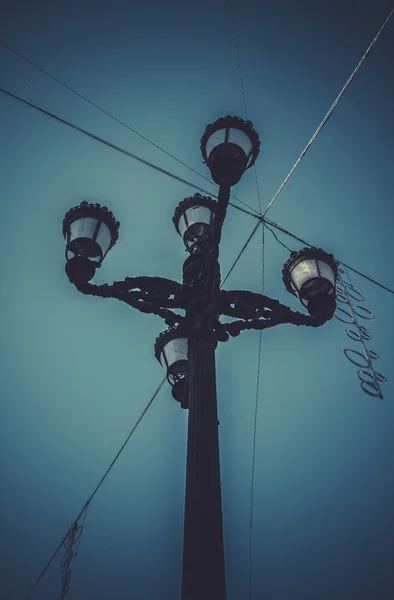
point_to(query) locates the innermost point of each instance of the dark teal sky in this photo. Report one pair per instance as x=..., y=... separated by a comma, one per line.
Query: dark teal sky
x=76, y=372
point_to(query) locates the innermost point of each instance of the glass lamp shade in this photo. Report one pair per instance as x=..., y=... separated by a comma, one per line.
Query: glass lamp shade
x=310, y=274
x=171, y=352
x=90, y=231
x=193, y=219
x=229, y=147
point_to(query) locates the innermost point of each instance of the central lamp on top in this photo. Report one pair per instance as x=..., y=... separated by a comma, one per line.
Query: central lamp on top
x=229, y=146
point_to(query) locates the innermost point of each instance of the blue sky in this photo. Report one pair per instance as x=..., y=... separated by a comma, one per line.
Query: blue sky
x=76, y=372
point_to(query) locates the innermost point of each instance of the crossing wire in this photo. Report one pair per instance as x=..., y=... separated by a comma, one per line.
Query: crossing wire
x=111, y=116
x=329, y=113
x=96, y=489
x=195, y=186
x=295, y=237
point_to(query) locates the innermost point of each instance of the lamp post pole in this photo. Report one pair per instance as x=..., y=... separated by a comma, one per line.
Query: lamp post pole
x=203, y=574
x=187, y=349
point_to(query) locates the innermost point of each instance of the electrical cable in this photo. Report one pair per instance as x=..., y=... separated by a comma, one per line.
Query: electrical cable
x=96, y=488
x=111, y=116
x=329, y=113
x=125, y=152
x=238, y=58
x=83, y=524
x=241, y=80
x=277, y=239
x=240, y=254
x=340, y=261
x=122, y=150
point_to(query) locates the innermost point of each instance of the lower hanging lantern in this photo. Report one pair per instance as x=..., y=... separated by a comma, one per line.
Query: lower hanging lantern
x=171, y=352
x=311, y=274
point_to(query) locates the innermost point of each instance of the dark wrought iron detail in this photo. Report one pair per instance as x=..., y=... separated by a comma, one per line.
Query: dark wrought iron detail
x=370, y=379
x=257, y=309
x=149, y=299
x=72, y=539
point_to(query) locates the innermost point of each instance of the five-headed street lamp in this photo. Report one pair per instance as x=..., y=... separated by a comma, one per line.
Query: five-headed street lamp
x=187, y=349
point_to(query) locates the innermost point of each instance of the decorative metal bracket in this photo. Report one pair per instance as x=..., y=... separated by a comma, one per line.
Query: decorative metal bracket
x=152, y=295
x=258, y=312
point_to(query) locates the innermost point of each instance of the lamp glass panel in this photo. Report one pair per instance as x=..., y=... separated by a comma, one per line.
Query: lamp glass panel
x=104, y=237
x=326, y=271
x=214, y=140
x=303, y=271
x=174, y=350
x=239, y=137
x=83, y=228
x=195, y=214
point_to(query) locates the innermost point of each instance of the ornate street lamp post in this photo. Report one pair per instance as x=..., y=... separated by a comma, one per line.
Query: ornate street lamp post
x=187, y=349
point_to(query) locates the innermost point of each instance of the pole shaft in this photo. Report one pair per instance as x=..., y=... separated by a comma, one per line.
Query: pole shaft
x=203, y=574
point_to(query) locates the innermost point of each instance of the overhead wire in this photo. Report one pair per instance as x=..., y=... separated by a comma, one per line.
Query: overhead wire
x=329, y=113
x=255, y=228
x=172, y=175
x=277, y=239
x=111, y=116
x=261, y=332
x=121, y=150
x=96, y=488
x=292, y=235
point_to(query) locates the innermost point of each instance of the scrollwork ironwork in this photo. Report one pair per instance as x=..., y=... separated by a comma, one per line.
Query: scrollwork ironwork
x=152, y=295
x=347, y=295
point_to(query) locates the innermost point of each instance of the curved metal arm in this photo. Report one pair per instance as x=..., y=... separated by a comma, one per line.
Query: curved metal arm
x=153, y=295
x=259, y=312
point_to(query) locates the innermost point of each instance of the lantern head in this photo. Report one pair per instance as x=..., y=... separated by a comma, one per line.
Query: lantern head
x=311, y=274
x=90, y=230
x=229, y=146
x=193, y=221
x=171, y=352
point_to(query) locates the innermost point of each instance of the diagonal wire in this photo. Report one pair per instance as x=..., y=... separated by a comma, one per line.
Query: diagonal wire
x=83, y=524
x=384, y=287
x=123, y=151
x=96, y=488
x=105, y=112
x=241, y=80
x=329, y=113
x=241, y=252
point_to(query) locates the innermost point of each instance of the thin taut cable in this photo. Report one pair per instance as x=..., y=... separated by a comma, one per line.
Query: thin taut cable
x=239, y=60
x=295, y=237
x=122, y=150
x=241, y=252
x=328, y=115
x=111, y=116
x=95, y=490
x=153, y=166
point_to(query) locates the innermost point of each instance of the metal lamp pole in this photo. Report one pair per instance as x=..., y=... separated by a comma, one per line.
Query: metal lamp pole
x=187, y=349
x=203, y=548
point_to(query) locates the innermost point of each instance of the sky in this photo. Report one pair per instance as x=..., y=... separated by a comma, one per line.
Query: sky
x=77, y=371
